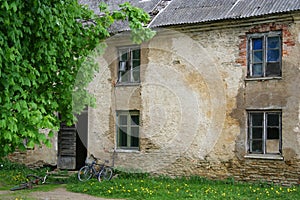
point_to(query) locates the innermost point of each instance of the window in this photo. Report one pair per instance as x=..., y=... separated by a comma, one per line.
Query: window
x=264, y=132
x=264, y=54
x=129, y=65
x=128, y=123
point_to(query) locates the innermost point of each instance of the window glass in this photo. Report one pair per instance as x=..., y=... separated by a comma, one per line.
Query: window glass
x=272, y=133
x=273, y=120
x=123, y=119
x=134, y=141
x=257, y=146
x=257, y=70
x=136, y=54
x=124, y=56
x=257, y=119
x=273, y=42
x=129, y=65
x=264, y=132
x=264, y=54
x=135, y=63
x=135, y=120
x=128, y=129
x=257, y=133
x=273, y=69
x=257, y=43
x=258, y=57
x=122, y=138
x=273, y=55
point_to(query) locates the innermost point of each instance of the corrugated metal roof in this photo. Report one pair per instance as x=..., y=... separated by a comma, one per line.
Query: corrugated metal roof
x=147, y=5
x=195, y=11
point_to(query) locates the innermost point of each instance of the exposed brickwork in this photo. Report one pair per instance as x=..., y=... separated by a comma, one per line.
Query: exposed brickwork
x=288, y=39
x=250, y=170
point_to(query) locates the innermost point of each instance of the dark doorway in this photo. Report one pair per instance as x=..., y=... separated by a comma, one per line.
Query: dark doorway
x=81, y=138
x=72, y=143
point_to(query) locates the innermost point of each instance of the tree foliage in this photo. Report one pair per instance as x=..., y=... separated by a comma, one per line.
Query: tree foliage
x=44, y=45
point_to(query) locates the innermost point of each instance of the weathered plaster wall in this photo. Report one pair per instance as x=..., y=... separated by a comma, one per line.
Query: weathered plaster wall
x=39, y=156
x=193, y=99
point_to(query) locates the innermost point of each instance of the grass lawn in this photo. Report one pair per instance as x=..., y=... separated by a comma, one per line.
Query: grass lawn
x=143, y=186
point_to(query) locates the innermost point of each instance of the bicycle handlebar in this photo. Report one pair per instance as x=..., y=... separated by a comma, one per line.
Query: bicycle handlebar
x=95, y=158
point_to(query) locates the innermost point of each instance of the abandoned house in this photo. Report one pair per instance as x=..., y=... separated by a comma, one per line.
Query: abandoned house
x=215, y=93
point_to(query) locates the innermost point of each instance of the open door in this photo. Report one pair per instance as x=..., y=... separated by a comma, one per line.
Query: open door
x=72, y=143
x=66, y=147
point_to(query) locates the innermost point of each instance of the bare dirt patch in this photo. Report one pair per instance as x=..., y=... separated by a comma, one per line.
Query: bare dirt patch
x=56, y=194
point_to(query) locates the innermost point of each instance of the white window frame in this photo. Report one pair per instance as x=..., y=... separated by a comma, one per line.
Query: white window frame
x=264, y=134
x=127, y=129
x=250, y=60
x=126, y=66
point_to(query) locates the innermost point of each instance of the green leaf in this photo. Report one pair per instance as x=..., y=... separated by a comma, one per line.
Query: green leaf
x=5, y=4
x=14, y=6
x=30, y=144
x=7, y=135
x=3, y=124
x=50, y=134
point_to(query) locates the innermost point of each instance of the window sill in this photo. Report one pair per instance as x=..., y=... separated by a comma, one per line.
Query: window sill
x=127, y=151
x=264, y=156
x=120, y=84
x=262, y=78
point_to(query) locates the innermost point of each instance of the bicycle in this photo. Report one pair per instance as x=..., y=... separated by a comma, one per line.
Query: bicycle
x=32, y=180
x=100, y=171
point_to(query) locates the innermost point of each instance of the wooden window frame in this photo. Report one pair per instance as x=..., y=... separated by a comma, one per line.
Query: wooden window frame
x=265, y=127
x=265, y=62
x=132, y=74
x=127, y=129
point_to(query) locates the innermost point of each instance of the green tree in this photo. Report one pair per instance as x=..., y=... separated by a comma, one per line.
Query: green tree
x=44, y=45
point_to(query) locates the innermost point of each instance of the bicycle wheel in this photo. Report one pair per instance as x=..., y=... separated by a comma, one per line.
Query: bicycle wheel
x=85, y=173
x=22, y=186
x=105, y=174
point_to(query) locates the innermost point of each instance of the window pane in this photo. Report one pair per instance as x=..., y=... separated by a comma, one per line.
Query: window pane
x=122, y=138
x=273, y=69
x=257, y=119
x=257, y=43
x=135, y=64
x=257, y=133
x=258, y=56
x=272, y=133
x=123, y=66
x=124, y=56
x=134, y=142
x=273, y=55
x=273, y=42
x=273, y=120
x=136, y=76
x=124, y=76
x=136, y=54
x=257, y=70
x=123, y=120
x=135, y=132
x=135, y=120
x=257, y=146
